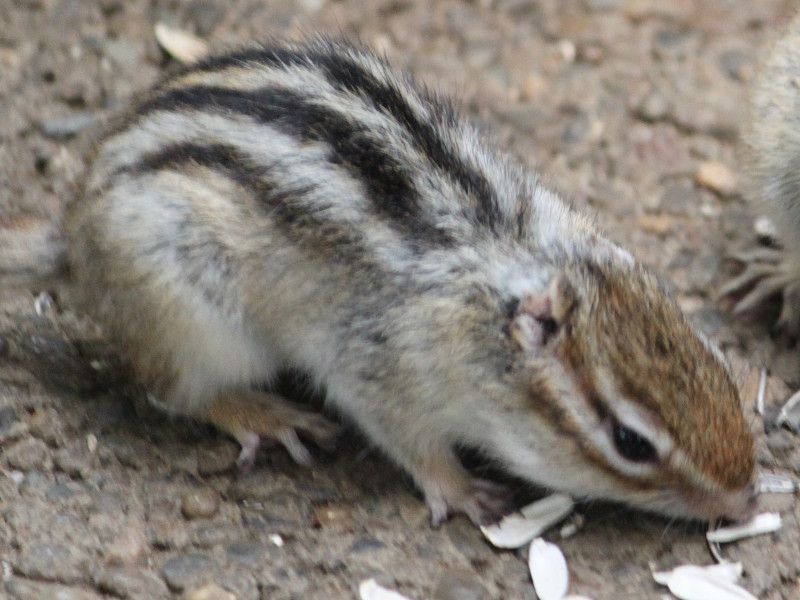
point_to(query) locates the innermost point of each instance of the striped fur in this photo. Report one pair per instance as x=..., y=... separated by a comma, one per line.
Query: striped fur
x=306, y=205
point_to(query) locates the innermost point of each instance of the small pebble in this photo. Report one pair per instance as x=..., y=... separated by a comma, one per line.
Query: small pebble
x=210, y=591
x=15, y=431
x=717, y=177
x=202, y=503
x=130, y=582
x=52, y=562
x=241, y=583
x=128, y=547
x=166, y=532
x=533, y=86
x=459, y=585
x=20, y=589
x=654, y=107
x=48, y=426
x=736, y=64
x=467, y=538
x=28, y=454
x=333, y=516
x=656, y=224
x=252, y=555
x=64, y=128
x=73, y=460
x=187, y=571
x=216, y=459
x=8, y=416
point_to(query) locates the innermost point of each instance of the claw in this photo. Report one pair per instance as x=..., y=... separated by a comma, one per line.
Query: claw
x=758, y=255
x=768, y=273
x=484, y=502
x=249, y=442
x=299, y=453
x=751, y=275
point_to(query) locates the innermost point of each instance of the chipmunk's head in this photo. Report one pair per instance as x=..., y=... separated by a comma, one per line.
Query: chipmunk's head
x=637, y=406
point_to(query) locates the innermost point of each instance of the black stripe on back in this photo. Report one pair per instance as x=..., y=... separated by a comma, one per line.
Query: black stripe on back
x=299, y=222
x=345, y=73
x=388, y=184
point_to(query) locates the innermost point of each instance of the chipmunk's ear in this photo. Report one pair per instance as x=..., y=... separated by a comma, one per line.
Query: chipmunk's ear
x=540, y=315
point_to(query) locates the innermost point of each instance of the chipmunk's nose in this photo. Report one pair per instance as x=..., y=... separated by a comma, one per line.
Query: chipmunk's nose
x=746, y=503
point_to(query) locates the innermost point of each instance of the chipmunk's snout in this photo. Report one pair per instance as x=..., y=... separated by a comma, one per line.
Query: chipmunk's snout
x=734, y=505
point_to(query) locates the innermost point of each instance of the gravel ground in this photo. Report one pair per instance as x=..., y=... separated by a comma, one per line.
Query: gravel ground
x=621, y=103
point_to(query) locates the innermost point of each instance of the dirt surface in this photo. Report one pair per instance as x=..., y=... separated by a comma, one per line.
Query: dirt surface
x=618, y=102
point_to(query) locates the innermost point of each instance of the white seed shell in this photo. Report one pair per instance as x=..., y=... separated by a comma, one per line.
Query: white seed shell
x=776, y=484
x=181, y=45
x=716, y=582
x=760, y=524
x=517, y=529
x=548, y=570
x=372, y=590
x=790, y=412
x=765, y=228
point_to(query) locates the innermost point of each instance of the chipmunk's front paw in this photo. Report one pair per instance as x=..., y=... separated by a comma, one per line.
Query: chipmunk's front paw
x=484, y=502
x=767, y=275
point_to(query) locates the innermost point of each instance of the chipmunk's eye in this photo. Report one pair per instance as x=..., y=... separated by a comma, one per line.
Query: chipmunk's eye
x=633, y=446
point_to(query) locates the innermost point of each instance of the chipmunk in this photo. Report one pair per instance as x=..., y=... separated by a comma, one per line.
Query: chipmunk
x=772, y=147
x=305, y=205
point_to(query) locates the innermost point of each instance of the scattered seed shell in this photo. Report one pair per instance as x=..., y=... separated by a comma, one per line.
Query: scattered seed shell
x=790, y=413
x=769, y=483
x=571, y=527
x=715, y=582
x=765, y=228
x=181, y=45
x=372, y=590
x=760, y=524
x=517, y=529
x=762, y=391
x=548, y=570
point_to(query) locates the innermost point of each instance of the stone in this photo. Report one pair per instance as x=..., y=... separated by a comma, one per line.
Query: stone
x=128, y=546
x=47, y=426
x=467, y=538
x=28, y=454
x=242, y=584
x=213, y=535
x=252, y=555
x=736, y=64
x=653, y=107
x=64, y=128
x=656, y=224
x=200, y=503
x=334, y=516
x=220, y=458
x=52, y=562
x=59, y=492
x=131, y=582
x=210, y=591
x=366, y=544
x=19, y=589
x=74, y=460
x=8, y=416
x=167, y=533
x=187, y=571
x=717, y=177
x=459, y=585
